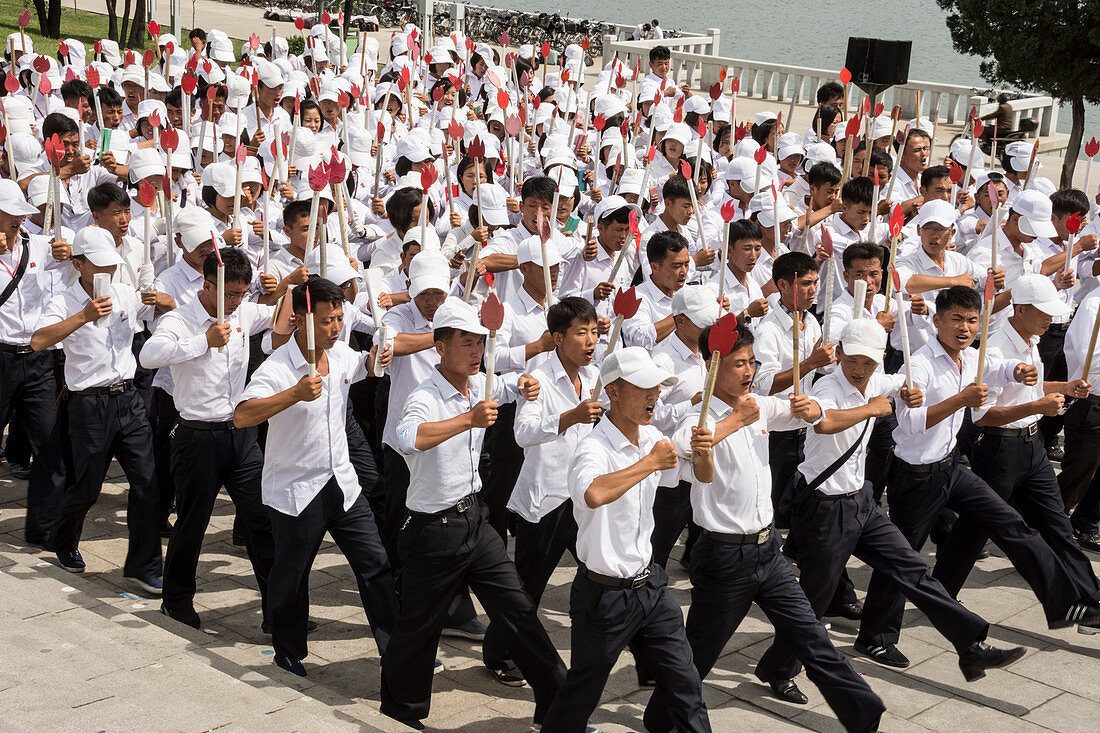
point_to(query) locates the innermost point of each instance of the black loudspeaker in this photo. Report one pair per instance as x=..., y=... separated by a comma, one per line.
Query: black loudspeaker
x=876, y=64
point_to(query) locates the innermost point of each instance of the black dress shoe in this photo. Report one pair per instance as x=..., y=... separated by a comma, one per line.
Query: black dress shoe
x=186, y=616
x=850, y=611
x=1056, y=454
x=510, y=676
x=786, y=690
x=311, y=626
x=1088, y=540
x=290, y=664
x=888, y=655
x=979, y=656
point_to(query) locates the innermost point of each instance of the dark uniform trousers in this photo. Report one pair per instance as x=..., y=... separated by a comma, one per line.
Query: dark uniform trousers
x=1052, y=346
x=102, y=425
x=916, y=498
x=604, y=622
x=29, y=391
x=1077, y=481
x=671, y=513
x=838, y=527
x=726, y=579
x=366, y=467
x=297, y=540
x=441, y=553
x=204, y=460
x=1017, y=468
x=164, y=420
x=539, y=548
x=506, y=460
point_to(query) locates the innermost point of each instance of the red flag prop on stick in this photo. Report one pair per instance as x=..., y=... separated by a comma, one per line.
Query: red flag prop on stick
x=721, y=340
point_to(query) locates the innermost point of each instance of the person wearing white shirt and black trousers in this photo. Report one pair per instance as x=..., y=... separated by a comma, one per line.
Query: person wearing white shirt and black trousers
x=737, y=560
x=106, y=414
x=209, y=451
x=835, y=513
x=1010, y=454
x=930, y=475
x=309, y=484
x=446, y=542
x=619, y=595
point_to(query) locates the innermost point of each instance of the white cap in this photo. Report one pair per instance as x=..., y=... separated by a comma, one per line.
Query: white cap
x=222, y=177
x=769, y=207
x=941, y=212
x=458, y=314
x=430, y=240
x=12, y=201
x=194, y=225
x=610, y=204
x=38, y=191
x=1019, y=154
x=97, y=245
x=765, y=116
x=494, y=204
x=960, y=153
x=268, y=73
x=339, y=269
x=1035, y=214
x=631, y=181
x=865, y=337
x=413, y=149
x=1039, y=291
x=145, y=162
x=635, y=365
x=429, y=270
x=530, y=250
x=698, y=302
x=147, y=107
x=790, y=143
x=678, y=131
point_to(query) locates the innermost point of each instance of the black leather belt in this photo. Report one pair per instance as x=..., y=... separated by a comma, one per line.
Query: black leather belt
x=1058, y=327
x=112, y=389
x=800, y=431
x=1030, y=430
x=756, y=538
x=210, y=426
x=612, y=582
x=16, y=348
x=464, y=505
x=920, y=468
x=829, y=497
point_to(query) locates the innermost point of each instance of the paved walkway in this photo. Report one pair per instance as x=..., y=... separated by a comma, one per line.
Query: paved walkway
x=89, y=652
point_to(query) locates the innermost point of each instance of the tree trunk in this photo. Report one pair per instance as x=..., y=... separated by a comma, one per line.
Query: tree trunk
x=136, y=40
x=112, y=20
x=1076, y=134
x=43, y=19
x=124, y=32
x=55, y=19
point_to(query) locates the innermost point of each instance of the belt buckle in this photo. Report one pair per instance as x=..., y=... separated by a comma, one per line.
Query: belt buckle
x=1032, y=429
x=639, y=580
x=463, y=505
x=116, y=388
x=763, y=535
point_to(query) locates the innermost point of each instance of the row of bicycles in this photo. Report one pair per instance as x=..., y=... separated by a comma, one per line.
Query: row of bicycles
x=482, y=24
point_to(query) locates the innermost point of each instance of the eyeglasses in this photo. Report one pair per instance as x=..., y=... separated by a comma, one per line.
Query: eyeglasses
x=232, y=295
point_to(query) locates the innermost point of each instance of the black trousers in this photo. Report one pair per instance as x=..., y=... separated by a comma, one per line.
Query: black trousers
x=539, y=548
x=1052, y=353
x=785, y=452
x=838, y=527
x=671, y=514
x=1017, y=469
x=1086, y=515
x=202, y=462
x=506, y=462
x=102, y=426
x=442, y=553
x=366, y=468
x=297, y=540
x=28, y=393
x=164, y=420
x=916, y=500
x=880, y=453
x=604, y=622
x=726, y=580
x=1082, y=446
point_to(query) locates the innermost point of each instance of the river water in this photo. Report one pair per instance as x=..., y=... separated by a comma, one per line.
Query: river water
x=803, y=33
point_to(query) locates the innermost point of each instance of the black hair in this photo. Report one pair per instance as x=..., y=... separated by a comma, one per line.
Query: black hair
x=858, y=191
x=620, y=215
x=659, y=53
x=958, y=296
x=918, y=133
x=237, y=267
x=296, y=210
x=933, y=173
x=539, y=188
x=829, y=90
x=399, y=209
x=58, y=124
x=826, y=115
x=467, y=162
x=209, y=196
x=75, y=89
x=310, y=104
x=662, y=243
x=198, y=33
x=320, y=291
x=103, y=195
x=744, y=338
x=1069, y=201
x=824, y=172
x=861, y=251
x=744, y=229
x=691, y=119
x=676, y=187
x=562, y=314
x=881, y=159
x=108, y=97
x=791, y=266
x=174, y=98
x=722, y=135
x=761, y=132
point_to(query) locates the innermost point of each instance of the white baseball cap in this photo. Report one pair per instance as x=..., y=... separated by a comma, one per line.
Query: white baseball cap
x=1039, y=291
x=458, y=314
x=222, y=177
x=864, y=337
x=429, y=270
x=494, y=204
x=635, y=365
x=194, y=225
x=413, y=149
x=97, y=246
x=38, y=191
x=145, y=162
x=339, y=269
x=530, y=250
x=698, y=302
x=610, y=204
x=12, y=201
x=941, y=212
x=1035, y=214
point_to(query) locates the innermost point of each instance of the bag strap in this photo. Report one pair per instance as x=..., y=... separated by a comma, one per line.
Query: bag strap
x=20, y=271
x=835, y=465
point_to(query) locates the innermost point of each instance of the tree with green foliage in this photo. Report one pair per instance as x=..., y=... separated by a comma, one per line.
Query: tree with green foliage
x=1046, y=46
x=49, y=17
